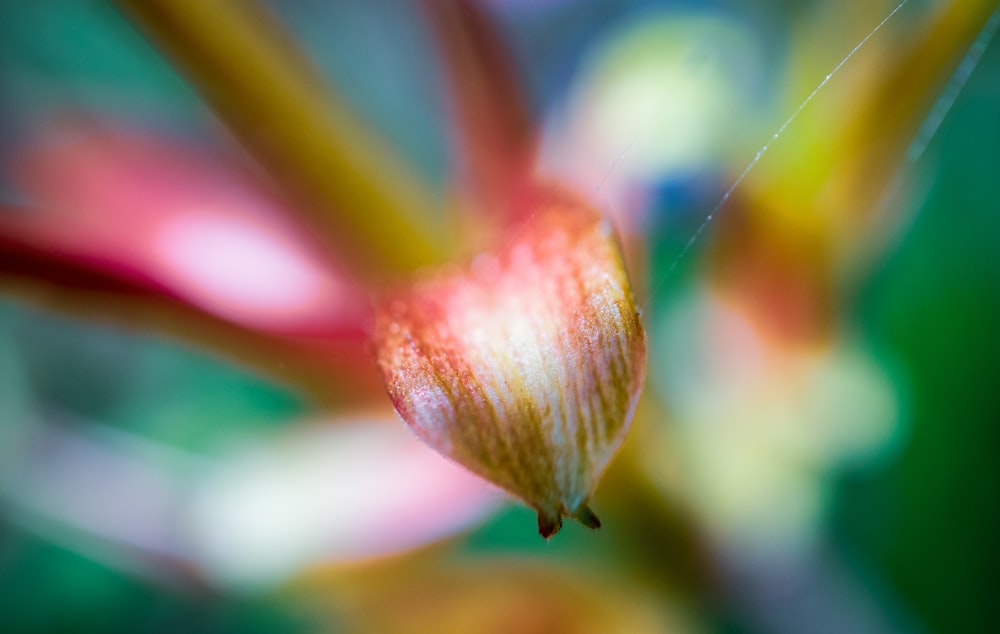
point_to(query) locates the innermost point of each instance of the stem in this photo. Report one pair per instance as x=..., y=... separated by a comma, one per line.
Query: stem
x=366, y=204
x=890, y=117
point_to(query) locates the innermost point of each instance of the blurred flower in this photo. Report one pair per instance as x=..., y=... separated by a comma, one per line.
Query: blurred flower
x=769, y=393
x=547, y=323
x=782, y=265
x=503, y=322
x=762, y=428
x=664, y=96
x=337, y=491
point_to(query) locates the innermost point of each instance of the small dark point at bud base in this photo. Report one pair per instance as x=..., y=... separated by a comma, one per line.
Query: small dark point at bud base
x=587, y=517
x=548, y=526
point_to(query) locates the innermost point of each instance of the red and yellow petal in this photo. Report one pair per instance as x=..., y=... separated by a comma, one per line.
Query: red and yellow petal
x=526, y=366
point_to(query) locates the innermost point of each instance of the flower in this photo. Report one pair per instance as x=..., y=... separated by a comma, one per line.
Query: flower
x=506, y=318
x=526, y=368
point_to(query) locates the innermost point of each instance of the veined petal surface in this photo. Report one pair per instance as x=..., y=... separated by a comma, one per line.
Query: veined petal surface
x=526, y=366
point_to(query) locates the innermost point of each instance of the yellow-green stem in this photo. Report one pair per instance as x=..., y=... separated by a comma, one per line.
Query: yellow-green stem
x=368, y=206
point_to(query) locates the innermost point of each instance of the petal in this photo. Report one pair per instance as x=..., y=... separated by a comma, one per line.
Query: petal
x=332, y=492
x=526, y=367
x=328, y=495
x=137, y=227
x=174, y=220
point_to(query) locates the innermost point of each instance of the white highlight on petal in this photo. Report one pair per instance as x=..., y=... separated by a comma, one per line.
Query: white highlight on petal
x=251, y=518
x=341, y=493
x=239, y=268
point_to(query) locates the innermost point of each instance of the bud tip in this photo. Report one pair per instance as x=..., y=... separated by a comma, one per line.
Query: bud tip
x=587, y=517
x=548, y=525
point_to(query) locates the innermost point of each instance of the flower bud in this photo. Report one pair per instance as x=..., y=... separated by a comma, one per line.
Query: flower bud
x=526, y=367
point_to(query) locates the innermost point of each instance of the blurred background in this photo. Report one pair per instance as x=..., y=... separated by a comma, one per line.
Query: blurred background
x=192, y=433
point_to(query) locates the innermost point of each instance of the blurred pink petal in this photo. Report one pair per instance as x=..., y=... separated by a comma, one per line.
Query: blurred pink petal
x=240, y=268
x=179, y=222
x=494, y=134
x=336, y=493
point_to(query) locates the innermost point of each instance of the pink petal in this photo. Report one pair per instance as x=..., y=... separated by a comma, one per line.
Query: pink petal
x=173, y=219
x=526, y=367
x=494, y=135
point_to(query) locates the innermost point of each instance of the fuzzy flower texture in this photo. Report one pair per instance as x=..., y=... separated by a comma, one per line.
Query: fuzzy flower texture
x=526, y=367
x=301, y=245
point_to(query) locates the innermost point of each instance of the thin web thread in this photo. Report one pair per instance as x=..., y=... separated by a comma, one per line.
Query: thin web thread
x=950, y=94
x=763, y=150
x=611, y=169
x=939, y=112
x=614, y=165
